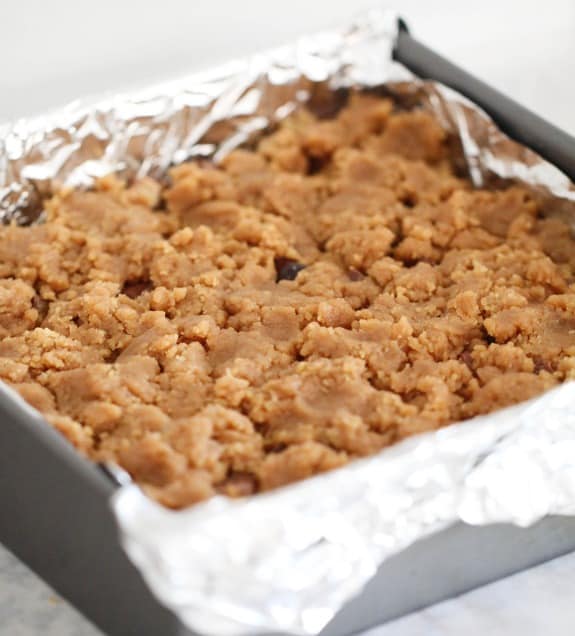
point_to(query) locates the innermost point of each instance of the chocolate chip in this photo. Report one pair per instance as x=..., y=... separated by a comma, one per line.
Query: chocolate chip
x=133, y=288
x=489, y=339
x=316, y=164
x=466, y=358
x=287, y=268
x=41, y=306
x=417, y=398
x=541, y=365
x=409, y=199
x=354, y=275
x=278, y=447
x=113, y=356
x=238, y=484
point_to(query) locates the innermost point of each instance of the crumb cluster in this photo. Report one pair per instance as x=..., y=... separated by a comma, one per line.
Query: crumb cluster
x=305, y=303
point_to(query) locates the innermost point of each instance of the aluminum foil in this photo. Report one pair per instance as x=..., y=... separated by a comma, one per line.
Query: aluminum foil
x=288, y=560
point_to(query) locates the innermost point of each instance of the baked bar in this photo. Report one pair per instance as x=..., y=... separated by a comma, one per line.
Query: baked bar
x=311, y=301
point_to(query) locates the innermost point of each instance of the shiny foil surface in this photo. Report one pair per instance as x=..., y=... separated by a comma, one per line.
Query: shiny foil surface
x=286, y=561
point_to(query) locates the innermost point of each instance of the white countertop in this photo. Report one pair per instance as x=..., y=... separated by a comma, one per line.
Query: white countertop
x=53, y=52
x=532, y=603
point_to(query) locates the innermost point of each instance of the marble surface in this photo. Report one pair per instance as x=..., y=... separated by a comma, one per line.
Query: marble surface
x=534, y=602
x=54, y=52
x=29, y=607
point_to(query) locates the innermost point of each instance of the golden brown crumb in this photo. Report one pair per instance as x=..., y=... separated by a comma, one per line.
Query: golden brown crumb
x=303, y=304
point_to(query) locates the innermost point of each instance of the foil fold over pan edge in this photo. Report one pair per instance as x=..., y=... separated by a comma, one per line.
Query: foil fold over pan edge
x=287, y=561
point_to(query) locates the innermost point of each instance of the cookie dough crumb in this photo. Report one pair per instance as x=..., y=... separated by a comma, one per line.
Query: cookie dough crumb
x=302, y=304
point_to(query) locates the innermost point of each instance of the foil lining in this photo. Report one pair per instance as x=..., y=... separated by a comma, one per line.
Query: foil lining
x=287, y=561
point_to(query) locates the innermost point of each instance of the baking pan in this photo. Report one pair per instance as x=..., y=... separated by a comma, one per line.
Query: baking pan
x=56, y=516
x=515, y=120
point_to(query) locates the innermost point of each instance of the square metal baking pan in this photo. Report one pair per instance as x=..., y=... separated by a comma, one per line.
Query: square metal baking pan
x=55, y=512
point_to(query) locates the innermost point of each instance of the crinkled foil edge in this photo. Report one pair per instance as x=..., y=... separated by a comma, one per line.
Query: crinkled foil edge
x=287, y=561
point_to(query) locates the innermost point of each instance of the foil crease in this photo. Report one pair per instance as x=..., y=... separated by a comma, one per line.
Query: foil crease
x=287, y=561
